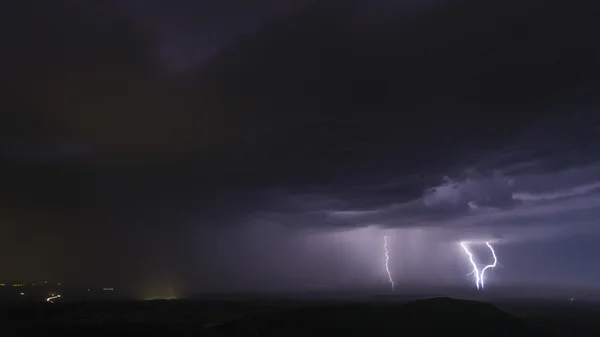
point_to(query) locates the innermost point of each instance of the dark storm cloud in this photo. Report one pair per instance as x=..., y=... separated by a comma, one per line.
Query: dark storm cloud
x=191, y=32
x=319, y=119
x=564, y=203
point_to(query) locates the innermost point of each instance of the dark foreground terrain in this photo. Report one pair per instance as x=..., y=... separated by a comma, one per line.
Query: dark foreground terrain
x=428, y=317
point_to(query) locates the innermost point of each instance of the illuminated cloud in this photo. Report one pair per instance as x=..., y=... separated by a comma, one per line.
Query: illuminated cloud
x=506, y=207
x=560, y=194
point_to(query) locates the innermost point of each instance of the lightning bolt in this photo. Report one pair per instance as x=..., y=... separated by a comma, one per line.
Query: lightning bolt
x=489, y=265
x=479, y=277
x=387, y=259
x=475, y=270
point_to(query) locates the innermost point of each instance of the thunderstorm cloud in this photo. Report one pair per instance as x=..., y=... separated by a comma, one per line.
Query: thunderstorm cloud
x=522, y=206
x=270, y=145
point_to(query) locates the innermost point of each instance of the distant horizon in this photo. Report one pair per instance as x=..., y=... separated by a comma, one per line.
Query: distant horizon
x=516, y=291
x=401, y=289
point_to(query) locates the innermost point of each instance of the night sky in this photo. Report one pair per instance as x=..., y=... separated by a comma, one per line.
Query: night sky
x=269, y=145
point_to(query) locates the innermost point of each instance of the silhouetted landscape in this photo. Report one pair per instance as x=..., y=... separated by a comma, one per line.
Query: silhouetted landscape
x=440, y=316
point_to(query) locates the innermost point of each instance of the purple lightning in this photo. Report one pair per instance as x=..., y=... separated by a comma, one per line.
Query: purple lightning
x=479, y=277
x=387, y=259
x=475, y=270
x=489, y=265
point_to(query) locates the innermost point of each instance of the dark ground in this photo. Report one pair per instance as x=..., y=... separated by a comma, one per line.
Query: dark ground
x=375, y=317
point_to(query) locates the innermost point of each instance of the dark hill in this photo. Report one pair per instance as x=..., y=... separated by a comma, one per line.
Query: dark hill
x=432, y=317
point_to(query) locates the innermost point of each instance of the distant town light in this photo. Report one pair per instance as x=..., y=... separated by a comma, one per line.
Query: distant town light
x=107, y=289
x=52, y=298
x=22, y=294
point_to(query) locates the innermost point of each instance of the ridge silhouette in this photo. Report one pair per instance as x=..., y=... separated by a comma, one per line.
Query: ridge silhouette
x=441, y=316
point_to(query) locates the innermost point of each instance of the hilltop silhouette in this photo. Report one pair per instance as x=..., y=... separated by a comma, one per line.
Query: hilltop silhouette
x=432, y=317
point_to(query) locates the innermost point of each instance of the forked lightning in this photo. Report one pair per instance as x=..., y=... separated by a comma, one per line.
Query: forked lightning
x=475, y=270
x=479, y=276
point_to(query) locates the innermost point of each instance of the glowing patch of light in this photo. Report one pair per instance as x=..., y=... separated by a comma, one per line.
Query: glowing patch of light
x=52, y=298
x=475, y=270
x=387, y=259
x=479, y=276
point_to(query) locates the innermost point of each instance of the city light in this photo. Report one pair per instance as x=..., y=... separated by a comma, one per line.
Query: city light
x=52, y=298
